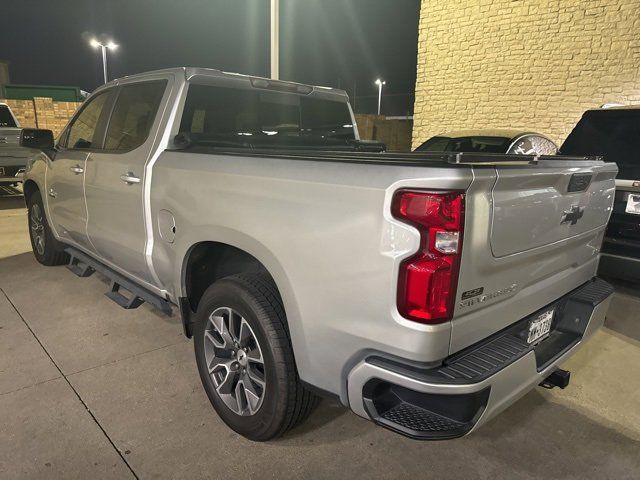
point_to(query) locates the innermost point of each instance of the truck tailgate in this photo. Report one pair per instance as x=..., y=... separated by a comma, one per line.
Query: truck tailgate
x=10, y=144
x=9, y=136
x=533, y=209
x=532, y=234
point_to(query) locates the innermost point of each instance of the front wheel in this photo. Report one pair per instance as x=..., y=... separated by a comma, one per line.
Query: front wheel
x=46, y=249
x=245, y=359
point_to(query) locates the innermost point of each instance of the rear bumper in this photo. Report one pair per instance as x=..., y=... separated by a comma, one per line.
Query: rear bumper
x=474, y=385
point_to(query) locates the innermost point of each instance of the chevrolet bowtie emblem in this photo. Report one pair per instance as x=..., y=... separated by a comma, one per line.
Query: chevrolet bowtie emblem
x=572, y=216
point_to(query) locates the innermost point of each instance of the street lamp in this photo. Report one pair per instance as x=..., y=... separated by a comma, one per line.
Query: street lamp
x=275, y=39
x=103, y=47
x=380, y=83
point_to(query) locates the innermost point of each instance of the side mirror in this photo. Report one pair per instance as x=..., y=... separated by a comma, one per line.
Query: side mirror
x=37, y=139
x=182, y=140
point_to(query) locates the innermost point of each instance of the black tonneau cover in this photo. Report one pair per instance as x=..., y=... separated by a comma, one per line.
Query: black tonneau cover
x=451, y=159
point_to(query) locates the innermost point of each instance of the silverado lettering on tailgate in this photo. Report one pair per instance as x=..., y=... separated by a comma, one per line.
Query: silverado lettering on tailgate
x=487, y=296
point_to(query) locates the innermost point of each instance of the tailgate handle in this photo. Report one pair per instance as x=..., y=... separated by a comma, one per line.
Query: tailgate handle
x=579, y=182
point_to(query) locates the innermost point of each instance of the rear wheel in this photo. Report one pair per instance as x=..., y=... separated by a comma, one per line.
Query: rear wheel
x=245, y=359
x=46, y=249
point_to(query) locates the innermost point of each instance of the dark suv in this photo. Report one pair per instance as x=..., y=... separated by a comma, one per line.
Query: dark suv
x=614, y=133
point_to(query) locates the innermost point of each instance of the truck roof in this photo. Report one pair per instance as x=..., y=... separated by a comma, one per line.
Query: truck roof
x=191, y=73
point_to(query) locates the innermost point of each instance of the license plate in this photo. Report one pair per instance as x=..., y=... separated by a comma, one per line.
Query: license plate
x=539, y=327
x=633, y=204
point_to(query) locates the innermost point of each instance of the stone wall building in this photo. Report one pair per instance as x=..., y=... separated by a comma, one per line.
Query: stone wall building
x=395, y=133
x=42, y=112
x=534, y=64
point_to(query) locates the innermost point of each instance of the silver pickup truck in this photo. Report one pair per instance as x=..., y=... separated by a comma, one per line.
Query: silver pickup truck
x=425, y=291
x=13, y=158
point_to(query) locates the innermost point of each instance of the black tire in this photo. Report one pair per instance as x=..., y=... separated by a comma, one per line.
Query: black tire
x=286, y=401
x=51, y=252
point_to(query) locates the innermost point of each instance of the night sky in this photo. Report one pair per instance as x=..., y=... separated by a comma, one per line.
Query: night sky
x=322, y=42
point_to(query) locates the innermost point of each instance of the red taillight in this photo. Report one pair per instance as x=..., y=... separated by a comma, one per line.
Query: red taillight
x=427, y=280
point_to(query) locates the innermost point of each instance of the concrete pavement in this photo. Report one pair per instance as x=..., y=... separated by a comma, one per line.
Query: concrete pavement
x=89, y=390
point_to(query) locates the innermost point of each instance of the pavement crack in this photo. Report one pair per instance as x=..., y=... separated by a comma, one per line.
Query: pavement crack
x=30, y=386
x=84, y=404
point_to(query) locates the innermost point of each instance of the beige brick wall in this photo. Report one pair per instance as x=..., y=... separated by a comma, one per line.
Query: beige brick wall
x=523, y=64
x=42, y=112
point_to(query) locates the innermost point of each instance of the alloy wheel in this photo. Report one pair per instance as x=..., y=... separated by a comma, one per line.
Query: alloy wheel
x=234, y=361
x=36, y=223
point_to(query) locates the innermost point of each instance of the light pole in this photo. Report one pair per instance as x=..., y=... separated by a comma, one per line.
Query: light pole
x=275, y=39
x=103, y=46
x=380, y=83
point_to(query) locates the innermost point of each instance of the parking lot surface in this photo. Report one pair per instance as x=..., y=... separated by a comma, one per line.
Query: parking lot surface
x=90, y=390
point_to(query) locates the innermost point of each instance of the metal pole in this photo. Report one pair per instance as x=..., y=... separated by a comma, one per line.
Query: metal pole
x=104, y=61
x=354, y=95
x=379, y=96
x=275, y=39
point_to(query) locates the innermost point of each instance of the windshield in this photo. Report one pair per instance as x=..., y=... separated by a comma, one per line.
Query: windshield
x=6, y=119
x=466, y=144
x=221, y=116
x=613, y=134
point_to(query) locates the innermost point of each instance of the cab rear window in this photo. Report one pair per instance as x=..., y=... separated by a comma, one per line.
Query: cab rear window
x=224, y=116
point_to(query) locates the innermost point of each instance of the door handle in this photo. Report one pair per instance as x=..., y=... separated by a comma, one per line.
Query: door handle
x=129, y=178
x=77, y=169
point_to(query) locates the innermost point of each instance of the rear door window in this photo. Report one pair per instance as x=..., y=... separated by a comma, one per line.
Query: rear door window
x=133, y=115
